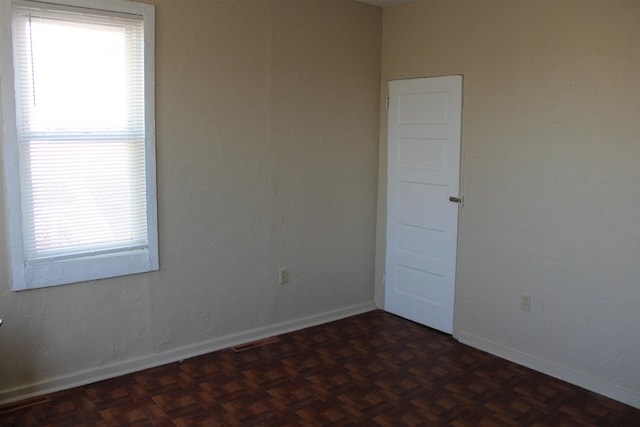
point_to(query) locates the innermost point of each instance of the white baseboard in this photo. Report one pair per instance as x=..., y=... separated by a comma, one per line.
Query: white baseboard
x=126, y=367
x=580, y=379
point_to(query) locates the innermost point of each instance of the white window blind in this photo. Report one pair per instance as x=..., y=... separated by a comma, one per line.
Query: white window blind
x=81, y=140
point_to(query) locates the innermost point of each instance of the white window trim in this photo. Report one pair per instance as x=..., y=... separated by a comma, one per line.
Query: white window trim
x=102, y=266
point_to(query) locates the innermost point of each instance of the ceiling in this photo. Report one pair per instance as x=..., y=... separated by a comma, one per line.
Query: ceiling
x=383, y=3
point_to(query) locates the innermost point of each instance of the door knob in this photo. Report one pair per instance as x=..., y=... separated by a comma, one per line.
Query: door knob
x=457, y=200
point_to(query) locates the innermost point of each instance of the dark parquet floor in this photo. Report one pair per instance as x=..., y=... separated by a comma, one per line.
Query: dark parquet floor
x=374, y=370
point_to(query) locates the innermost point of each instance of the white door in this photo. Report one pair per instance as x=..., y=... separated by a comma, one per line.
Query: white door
x=425, y=119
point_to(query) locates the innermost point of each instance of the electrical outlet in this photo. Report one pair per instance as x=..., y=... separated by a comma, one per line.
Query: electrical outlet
x=525, y=303
x=284, y=275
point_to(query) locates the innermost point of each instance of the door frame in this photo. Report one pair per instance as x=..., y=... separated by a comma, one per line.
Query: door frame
x=383, y=184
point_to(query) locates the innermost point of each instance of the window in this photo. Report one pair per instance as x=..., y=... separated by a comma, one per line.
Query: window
x=77, y=82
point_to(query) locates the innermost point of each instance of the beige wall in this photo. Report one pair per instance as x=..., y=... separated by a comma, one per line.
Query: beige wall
x=267, y=141
x=550, y=175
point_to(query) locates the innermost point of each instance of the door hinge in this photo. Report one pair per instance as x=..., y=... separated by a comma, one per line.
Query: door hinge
x=387, y=103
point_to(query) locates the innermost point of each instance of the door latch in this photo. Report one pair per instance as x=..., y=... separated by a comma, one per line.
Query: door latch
x=454, y=199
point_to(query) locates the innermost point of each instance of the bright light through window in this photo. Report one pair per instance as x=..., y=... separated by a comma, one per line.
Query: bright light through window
x=85, y=161
x=80, y=75
x=82, y=145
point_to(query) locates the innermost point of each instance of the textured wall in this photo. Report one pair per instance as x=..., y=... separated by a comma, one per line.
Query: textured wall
x=267, y=123
x=550, y=176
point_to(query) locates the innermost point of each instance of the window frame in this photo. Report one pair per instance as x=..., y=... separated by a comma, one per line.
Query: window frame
x=88, y=267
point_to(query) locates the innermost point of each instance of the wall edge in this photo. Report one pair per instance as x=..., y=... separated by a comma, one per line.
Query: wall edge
x=580, y=379
x=101, y=373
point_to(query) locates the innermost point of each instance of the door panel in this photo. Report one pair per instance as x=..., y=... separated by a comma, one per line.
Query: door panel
x=422, y=224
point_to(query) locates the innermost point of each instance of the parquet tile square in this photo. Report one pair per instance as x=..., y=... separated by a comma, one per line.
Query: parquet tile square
x=374, y=369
